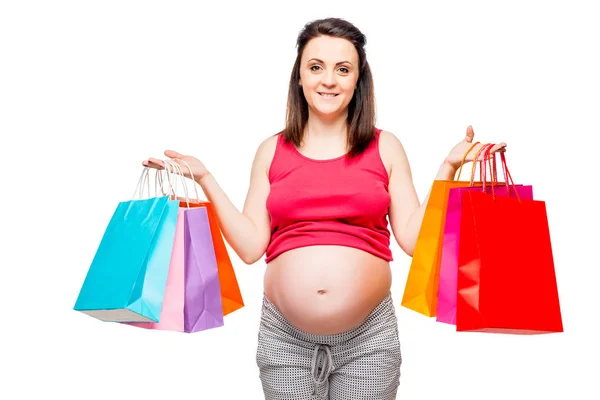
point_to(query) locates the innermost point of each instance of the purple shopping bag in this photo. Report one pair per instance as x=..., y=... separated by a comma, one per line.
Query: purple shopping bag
x=203, y=308
x=448, y=281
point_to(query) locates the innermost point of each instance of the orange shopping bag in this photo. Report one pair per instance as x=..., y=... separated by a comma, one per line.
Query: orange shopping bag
x=420, y=291
x=231, y=297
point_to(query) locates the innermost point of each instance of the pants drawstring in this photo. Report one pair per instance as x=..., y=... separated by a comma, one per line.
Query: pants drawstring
x=321, y=357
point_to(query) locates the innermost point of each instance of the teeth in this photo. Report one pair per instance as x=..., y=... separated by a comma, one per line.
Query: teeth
x=328, y=95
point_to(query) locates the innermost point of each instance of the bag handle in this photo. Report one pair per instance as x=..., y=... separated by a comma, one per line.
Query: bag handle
x=140, y=183
x=194, y=184
x=158, y=181
x=462, y=162
x=490, y=159
x=176, y=167
x=481, y=167
x=493, y=168
x=487, y=159
x=145, y=179
x=507, y=176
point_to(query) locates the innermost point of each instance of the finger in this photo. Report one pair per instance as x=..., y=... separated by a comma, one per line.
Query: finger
x=470, y=134
x=173, y=154
x=499, y=147
x=156, y=163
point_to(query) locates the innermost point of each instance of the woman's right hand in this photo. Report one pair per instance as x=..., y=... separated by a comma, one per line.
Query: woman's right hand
x=198, y=169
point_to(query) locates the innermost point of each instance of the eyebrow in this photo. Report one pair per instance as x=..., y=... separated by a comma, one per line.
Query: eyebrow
x=323, y=62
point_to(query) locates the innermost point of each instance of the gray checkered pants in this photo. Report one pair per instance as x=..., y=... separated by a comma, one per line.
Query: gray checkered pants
x=362, y=363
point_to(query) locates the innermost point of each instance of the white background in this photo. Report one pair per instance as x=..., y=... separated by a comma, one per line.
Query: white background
x=88, y=89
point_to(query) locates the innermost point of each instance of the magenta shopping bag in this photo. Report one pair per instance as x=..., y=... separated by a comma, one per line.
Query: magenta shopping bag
x=447, y=287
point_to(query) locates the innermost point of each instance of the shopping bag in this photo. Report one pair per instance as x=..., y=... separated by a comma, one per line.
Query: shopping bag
x=193, y=295
x=203, y=302
x=447, y=286
x=192, y=300
x=127, y=277
x=506, y=276
x=171, y=316
x=231, y=296
x=420, y=291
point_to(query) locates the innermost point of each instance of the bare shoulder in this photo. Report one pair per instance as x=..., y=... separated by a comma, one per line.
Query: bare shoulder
x=265, y=152
x=387, y=139
x=268, y=144
x=391, y=151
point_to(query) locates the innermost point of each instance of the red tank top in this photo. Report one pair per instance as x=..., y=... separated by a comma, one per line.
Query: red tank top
x=340, y=201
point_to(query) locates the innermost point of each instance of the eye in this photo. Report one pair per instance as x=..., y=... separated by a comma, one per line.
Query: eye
x=344, y=70
x=313, y=67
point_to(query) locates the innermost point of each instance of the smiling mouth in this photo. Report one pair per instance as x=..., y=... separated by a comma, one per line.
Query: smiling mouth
x=327, y=94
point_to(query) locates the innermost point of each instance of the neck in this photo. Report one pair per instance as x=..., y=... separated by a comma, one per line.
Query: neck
x=321, y=127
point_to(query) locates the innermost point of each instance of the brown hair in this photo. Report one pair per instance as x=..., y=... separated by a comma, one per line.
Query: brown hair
x=361, y=109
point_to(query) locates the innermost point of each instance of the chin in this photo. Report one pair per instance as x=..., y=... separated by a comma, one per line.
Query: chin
x=327, y=112
x=328, y=109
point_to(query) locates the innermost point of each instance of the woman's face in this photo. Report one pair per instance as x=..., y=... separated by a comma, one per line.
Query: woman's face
x=328, y=74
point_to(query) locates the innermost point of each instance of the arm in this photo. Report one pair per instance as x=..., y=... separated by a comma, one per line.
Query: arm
x=406, y=214
x=248, y=232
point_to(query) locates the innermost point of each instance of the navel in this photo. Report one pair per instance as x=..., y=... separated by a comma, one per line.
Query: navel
x=321, y=291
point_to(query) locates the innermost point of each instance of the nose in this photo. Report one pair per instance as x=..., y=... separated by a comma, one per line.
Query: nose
x=329, y=79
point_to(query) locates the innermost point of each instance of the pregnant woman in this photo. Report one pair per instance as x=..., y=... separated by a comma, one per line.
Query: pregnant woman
x=321, y=193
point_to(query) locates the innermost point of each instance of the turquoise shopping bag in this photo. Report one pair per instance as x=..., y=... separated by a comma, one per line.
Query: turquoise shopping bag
x=127, y=277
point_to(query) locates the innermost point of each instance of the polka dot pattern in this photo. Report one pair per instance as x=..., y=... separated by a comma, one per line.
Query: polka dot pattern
x=362, y=363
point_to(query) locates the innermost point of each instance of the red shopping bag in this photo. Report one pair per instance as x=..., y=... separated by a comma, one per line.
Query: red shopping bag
x=506, y=275
x=446, y=304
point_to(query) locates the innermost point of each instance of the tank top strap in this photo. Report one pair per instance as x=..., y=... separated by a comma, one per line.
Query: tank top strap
x=372, y=155
x=377, y=135
x=284, y=146
x=281, y=158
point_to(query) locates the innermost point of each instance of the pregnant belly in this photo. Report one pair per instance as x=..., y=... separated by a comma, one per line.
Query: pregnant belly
x=327, y=289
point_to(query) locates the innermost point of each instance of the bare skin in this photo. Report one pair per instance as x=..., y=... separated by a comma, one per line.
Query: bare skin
x=327, y=289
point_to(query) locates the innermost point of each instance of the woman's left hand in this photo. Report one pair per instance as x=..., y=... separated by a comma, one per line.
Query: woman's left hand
x=457, y=153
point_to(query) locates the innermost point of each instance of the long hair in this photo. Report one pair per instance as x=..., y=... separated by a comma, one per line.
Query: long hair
x=361, y=109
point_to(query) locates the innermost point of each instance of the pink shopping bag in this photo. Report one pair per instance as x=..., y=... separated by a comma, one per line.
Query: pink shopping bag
x=447, y=287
